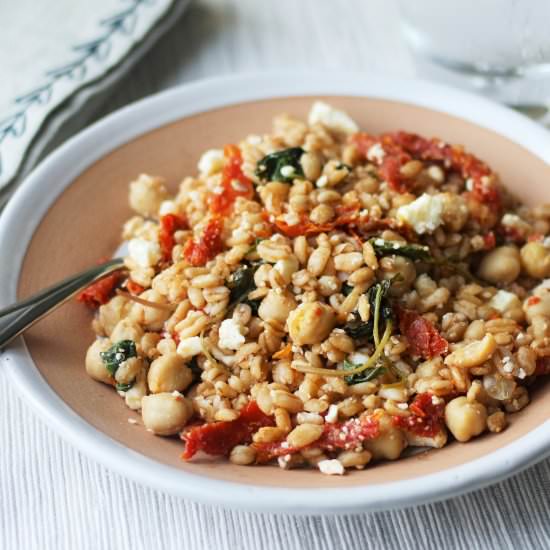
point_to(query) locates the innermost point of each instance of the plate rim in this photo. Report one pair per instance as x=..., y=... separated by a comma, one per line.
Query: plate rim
x=123, y=125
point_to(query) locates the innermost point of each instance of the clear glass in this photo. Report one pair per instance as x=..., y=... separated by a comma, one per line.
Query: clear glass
x=498, y=47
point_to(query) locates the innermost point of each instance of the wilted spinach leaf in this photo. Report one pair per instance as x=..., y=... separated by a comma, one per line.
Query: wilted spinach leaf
x=241, y=283
x=281, y=165
x=356, y=328
x=124, y=387
x=365, y=376
x=117, y=354
x=415, y=252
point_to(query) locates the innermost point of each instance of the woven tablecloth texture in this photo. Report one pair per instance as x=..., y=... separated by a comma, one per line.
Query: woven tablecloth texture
x=52, y=497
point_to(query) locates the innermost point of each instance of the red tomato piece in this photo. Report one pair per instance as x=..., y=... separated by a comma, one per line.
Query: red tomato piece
x=489, y=240
x=340, y=435
x=169, y=224
x=218, y=438
x=234, y=183
x=202, y=249
x=533, y=300
x=426, y=418
x=424, y=339
x=134, y=288
x=100, y=292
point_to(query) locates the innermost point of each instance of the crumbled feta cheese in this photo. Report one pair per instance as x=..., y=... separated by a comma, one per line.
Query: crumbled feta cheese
x=287, y=171
x=358, y=358
x=503, y=300
x=403, y=406
x=144, y=253
x=291, y=218
x=376, y=153
x=424, y=214
x=188, y=347
x=332, y=118
x=210, y=162
x=511, y=219
x=167, y=207
x=331, y=467
x=322, y=181
x=231, y=336
x=332, y=415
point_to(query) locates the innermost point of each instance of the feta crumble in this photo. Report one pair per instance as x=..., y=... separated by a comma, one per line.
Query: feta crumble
x=332, y=415
x=144, y=253
x=210, y=162
x=331, y=467
x=167, y=207
x=287, y=171
x=189, y=347
x=332, y=118
x=424, y=214
x=230, y=334
x=503, y=300
x=376, y=153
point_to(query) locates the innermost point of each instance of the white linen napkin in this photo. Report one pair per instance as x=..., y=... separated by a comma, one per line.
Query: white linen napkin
x=59, y=56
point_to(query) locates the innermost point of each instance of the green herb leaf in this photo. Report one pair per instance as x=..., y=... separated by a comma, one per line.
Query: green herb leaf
x=254, y=305
x=347, y=289
x=241, y=283
x=195, y=369
x=415, y=252
x=356, y=328
x=365, y=376
x=282, y=165
x=124, y=387
x=117, y=354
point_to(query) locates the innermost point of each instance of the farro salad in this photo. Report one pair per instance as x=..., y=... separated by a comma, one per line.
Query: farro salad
x=323, y=296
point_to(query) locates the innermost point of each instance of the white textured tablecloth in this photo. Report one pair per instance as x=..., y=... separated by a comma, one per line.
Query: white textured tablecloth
x=52, y=497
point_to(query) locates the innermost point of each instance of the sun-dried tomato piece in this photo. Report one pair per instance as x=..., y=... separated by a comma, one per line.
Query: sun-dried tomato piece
x=134, y=288
x=489, y=241
x=533, y=300
x=346, y=216
x=424, y=339
x=340, y=435
x=426, y=418
x=234, y=183
x=218, y=438
x=100, y=292
x=169, y=224
x=200, y=250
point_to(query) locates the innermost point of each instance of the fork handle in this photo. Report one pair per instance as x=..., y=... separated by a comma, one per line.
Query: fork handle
x=18, y=317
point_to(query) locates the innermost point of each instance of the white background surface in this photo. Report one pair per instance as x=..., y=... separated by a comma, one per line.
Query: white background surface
x=52, y=497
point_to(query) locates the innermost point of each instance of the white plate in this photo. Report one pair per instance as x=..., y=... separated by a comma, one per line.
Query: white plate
x=50, y=178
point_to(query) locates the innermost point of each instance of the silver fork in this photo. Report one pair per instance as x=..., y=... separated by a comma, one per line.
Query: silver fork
x=18, y=317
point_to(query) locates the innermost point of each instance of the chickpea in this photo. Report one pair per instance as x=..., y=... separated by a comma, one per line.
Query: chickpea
x=165, y=413
x=151, y=318
x=169, y=373
x=537, y=308
x=389, y=445
x=455, y=211
x=134, y=395
x=535, y=260
x=391, y=266
x=501, y=265
x=112, y=312
x=311, y=323
x=95, y=367
x=146, y=195
x=126, y=329
x=465, y=419
x=276, y=306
